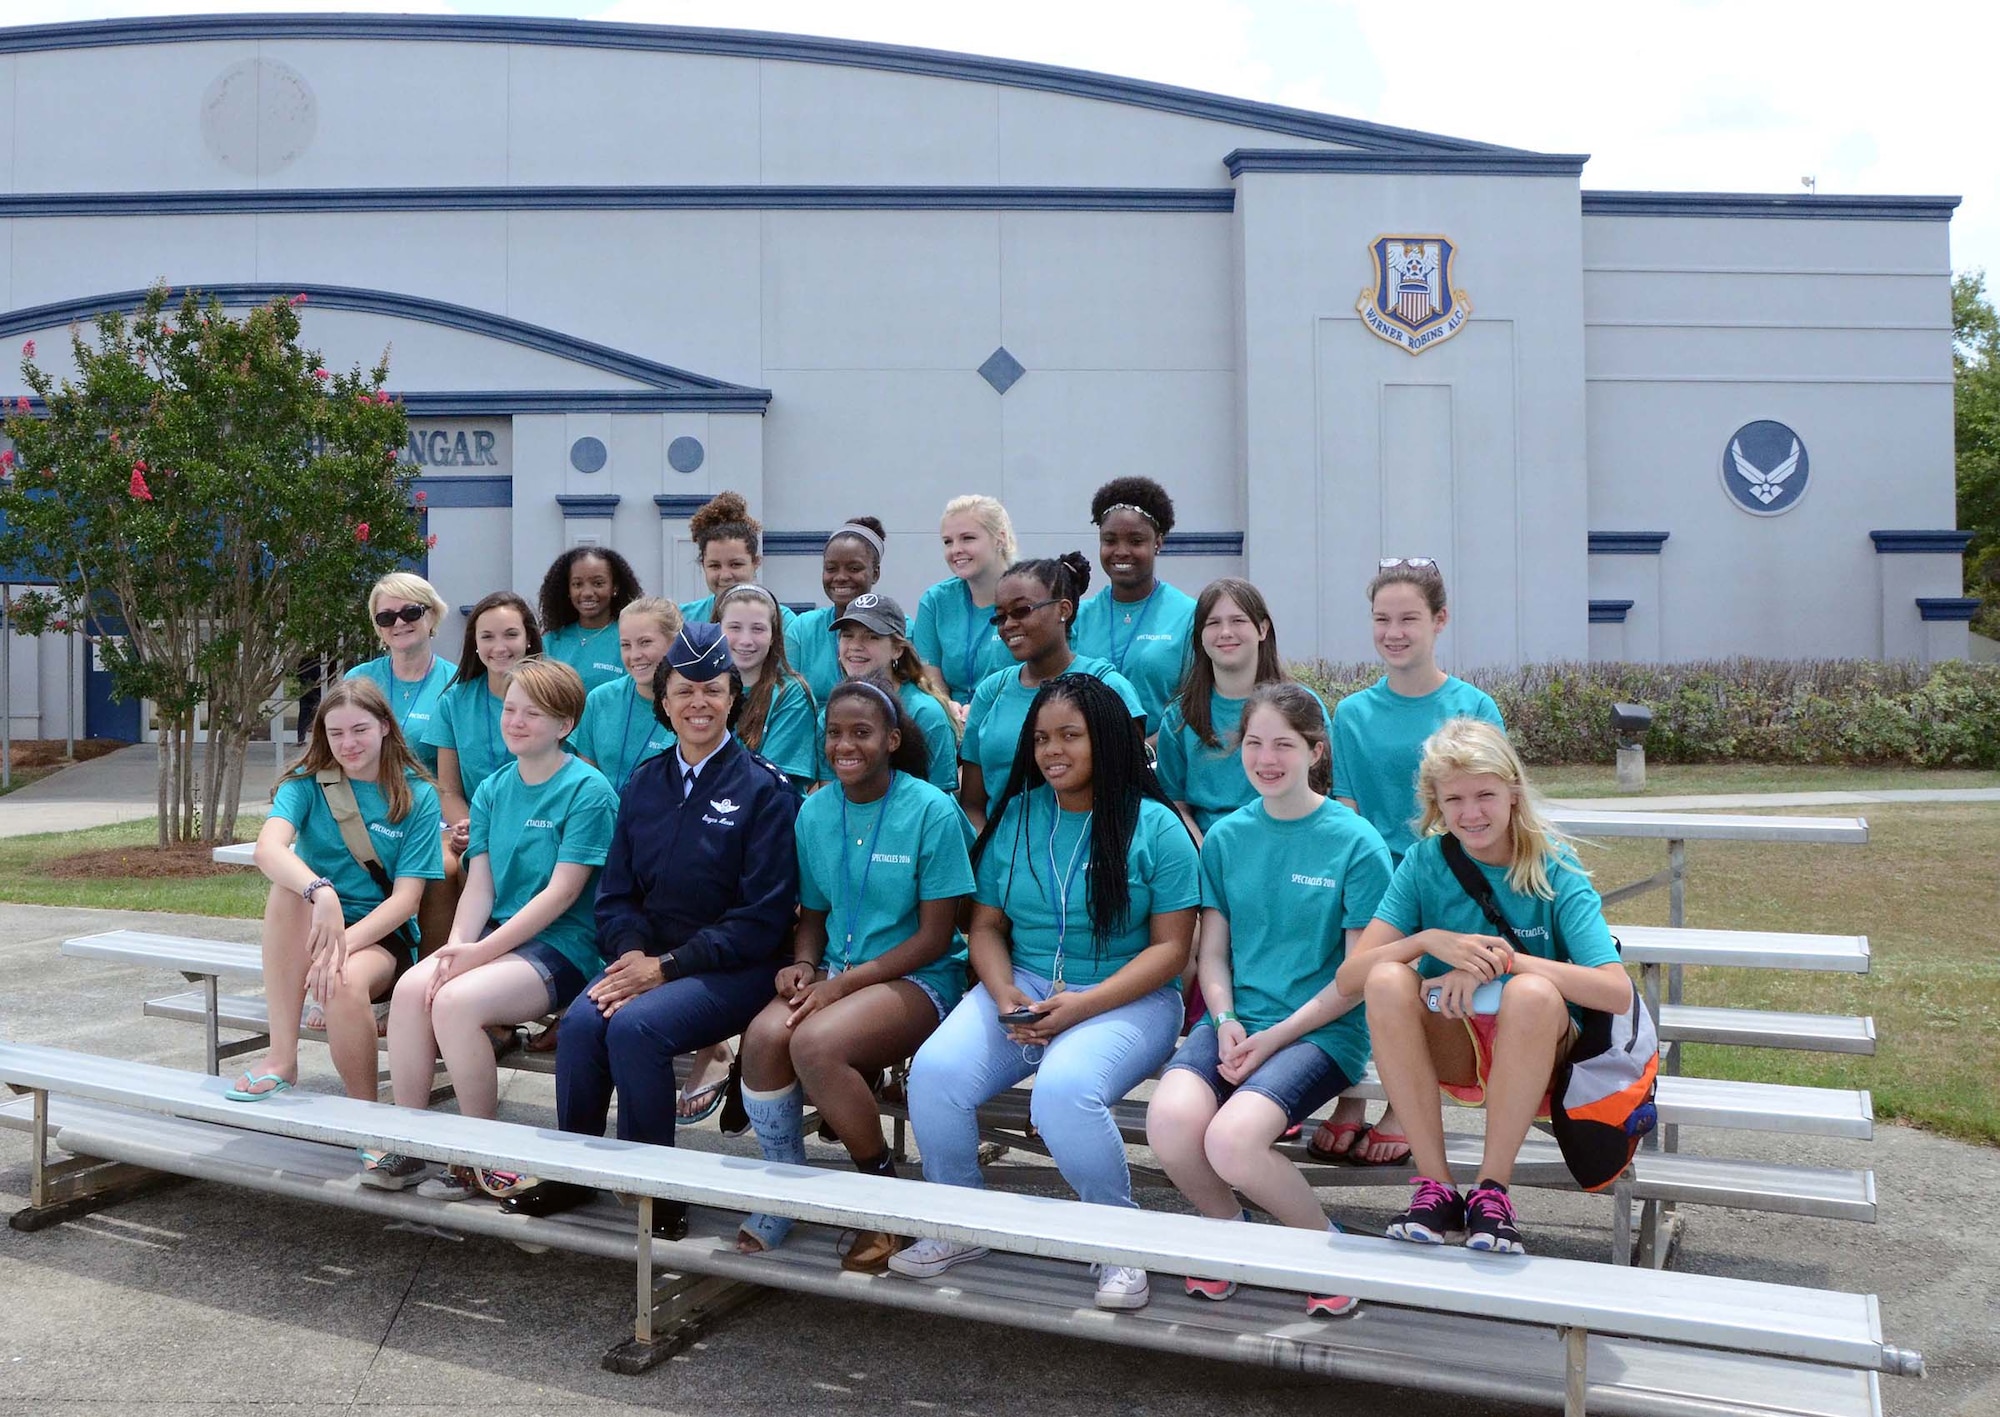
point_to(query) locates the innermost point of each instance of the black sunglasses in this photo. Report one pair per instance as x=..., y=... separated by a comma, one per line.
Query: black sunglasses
x=1000, y=617
x=409, y=615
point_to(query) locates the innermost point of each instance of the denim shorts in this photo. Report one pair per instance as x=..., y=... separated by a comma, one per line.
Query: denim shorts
x=1299, y=1077
x=564, y=980
x=937, y=999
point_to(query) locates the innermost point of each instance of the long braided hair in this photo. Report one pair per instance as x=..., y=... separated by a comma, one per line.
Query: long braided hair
x=1119, y=778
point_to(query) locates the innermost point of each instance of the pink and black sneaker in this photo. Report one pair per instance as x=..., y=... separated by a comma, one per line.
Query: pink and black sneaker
x=1489, y=1220
x=1436, y=1215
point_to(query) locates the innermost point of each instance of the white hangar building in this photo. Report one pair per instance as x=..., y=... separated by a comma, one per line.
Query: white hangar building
x=623, y=267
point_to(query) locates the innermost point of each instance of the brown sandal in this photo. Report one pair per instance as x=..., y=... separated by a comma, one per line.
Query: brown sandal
x=869, y=1253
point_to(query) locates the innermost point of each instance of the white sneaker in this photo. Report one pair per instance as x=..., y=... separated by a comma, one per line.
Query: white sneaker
x=927, y=1259
x=1121, y=1288
x=453, y=1184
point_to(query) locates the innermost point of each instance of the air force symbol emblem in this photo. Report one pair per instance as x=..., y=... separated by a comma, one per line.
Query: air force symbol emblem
x=1765, y=468
x=1411, y=303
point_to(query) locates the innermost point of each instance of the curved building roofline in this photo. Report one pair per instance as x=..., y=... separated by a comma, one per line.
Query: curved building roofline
x=743, y=44
x=691, y=390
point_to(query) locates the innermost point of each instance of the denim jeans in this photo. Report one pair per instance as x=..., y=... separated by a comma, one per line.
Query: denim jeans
x=1078, y=1077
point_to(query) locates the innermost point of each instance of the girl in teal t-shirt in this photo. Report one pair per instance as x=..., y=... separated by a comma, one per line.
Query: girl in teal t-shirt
x=406, y=610
x=1139, y=623
x=1086, y=886
x=524, y=941
x=955, y=635
x=620, y=730
x=1473, y=787
x=500, y=632
x=1198, y=759
x=1378, y=740
x=1288, y=882
x=584, y=592
x=729, y=543
x=779, y=721
x=872, y=643
x=850, y=566
x=1033, y=608
x=883, y=871
x=332, y=934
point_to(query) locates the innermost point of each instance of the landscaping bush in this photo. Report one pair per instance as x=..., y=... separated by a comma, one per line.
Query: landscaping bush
x=1825, y=711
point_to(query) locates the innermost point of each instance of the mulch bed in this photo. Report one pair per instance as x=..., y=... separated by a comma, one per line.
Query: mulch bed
x=188, y=859
x=48, y=752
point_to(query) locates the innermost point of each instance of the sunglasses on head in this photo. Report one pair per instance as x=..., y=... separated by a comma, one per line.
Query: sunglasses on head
x=1001, y=617
x=409, y=615
x=1415, y=563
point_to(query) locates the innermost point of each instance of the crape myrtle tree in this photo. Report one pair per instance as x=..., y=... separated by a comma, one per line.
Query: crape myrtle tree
x=1975, y=359
x=210, y=482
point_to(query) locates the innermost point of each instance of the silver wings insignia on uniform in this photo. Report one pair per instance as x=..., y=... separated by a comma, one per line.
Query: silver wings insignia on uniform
x=1766, y=487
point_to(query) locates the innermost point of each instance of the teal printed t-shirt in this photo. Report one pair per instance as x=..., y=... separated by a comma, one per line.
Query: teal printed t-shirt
x=940, y=739
x=791, y=739
x=591, y=653
x=814, y=651
x=413, y=703
x=1015, y=876
x=411, y=847
x=958, y=638
x=468, y=723
x=528, y=831
x=702, y=612
x=1378, y=744
x=1000, y=707
x=1210, y=780
x=905, y=848
x=1290, y=891
x=1424, y=895
x=618, y=730
x=1145, y=640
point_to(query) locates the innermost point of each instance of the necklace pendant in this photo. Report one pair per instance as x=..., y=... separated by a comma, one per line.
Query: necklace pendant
x=1058, y=988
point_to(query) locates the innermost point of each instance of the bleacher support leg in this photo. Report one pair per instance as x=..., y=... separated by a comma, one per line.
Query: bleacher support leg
x=212, y=1025
x=1576, y=1370
x=1621, y=1220
x=670, y=1316
x=64, y=1190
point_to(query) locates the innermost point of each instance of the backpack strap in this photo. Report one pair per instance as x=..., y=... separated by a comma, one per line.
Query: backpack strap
x=339, y=794
x=1475, y=884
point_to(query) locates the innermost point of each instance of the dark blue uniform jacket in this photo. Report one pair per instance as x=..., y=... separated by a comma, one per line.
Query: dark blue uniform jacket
x=714, y=879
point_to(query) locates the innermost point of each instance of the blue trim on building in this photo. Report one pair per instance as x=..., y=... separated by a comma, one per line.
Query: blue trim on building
x=1609, y=612
x=588, y=506
x=1796, y=206
x=483, y=490
x=1947, y=608
x=739, y=44
x=795, y=543
x=1486, y=164
x=1920, y=543
x=681, y=505
x=513, y=199
x=411, y=307
x=1203, y=543
x=500, y=403
x=1628, y=543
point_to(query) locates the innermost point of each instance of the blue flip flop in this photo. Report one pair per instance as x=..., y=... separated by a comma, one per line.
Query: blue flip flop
x=713, y=1092
x=243, y=1093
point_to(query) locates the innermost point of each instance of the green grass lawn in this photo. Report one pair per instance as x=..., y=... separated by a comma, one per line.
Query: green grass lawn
x=1681, y=781
x=23, y=878
x=1924, y=891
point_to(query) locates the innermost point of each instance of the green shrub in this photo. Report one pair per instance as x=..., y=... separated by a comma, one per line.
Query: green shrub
x=1829, y=711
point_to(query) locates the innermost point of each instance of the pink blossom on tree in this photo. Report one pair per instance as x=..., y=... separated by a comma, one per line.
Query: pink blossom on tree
x=138, y=488
x=28, y=350
x=361, y=531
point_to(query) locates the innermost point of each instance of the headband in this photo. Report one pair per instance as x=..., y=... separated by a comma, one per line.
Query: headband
x=748, y=588
x=1128, y=507
x=881, y=693
x=862, y=533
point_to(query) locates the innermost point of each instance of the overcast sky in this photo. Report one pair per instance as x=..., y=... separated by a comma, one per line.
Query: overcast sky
x=1692, y=95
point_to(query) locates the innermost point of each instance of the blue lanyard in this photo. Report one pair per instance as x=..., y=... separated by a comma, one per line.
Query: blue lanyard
x=1111, y=607
x=625, y=737
x=851, y=907
x=974, y=642
x=1063, y=879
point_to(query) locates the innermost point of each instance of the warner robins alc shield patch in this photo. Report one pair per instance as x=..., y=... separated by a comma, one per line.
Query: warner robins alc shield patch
x=1412, y=304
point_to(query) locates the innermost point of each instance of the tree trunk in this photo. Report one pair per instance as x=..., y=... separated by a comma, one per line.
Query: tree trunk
x=189, y=803
x=162, y=806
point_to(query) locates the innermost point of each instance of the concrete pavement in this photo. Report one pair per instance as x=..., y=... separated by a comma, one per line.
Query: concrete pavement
x=205, y=1299
x=118, y=787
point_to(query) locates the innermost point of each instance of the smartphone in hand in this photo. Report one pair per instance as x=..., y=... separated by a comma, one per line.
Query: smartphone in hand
x=1020, y=1018
x=1485, y=999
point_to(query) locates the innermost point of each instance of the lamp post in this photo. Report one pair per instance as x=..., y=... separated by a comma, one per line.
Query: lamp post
x=1629, y=723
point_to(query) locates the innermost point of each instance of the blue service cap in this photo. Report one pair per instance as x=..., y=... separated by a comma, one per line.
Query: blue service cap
x=699, y=653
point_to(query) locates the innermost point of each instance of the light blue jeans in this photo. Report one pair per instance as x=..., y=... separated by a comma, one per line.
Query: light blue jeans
x=1078, y=1076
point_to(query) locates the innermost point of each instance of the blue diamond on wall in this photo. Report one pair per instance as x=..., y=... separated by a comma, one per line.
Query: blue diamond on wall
x=1002, y=370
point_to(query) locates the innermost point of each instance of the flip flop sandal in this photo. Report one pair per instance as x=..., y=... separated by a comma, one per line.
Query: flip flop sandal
x=712, y=1091
x=1402, y=1158
x=243, y=1091
x=1320, y=1148
x=545, y=1041
x=312, y=1016
x=505, y=1040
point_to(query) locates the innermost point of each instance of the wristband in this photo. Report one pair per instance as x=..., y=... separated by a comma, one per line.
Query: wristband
x=311, y=888
x=1226, y=1016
